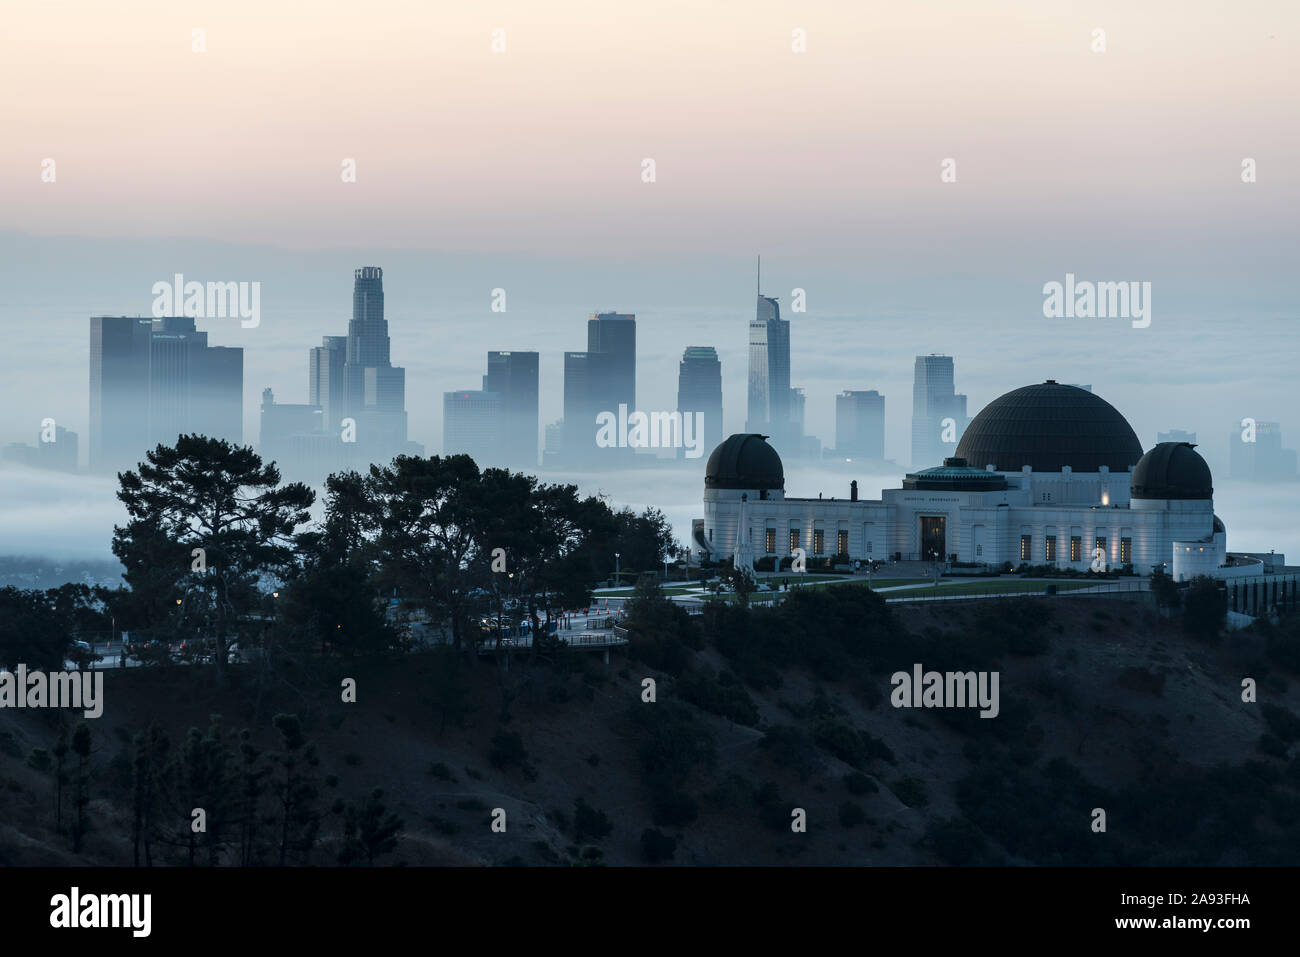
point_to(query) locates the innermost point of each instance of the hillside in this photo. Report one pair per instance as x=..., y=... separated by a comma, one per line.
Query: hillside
x=1102, y=704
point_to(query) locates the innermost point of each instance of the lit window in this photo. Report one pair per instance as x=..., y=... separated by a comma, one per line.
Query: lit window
x=1051, y=548
x=1125, y=550
x=1076, y=548
x=1026, y=547
x=769, y=541
x=842, y=543
x=794, y=539
x=819, y=541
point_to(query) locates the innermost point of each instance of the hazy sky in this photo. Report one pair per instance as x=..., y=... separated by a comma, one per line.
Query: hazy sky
x=523, y=170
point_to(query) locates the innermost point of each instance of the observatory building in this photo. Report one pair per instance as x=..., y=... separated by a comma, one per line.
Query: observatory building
x=1048, y=474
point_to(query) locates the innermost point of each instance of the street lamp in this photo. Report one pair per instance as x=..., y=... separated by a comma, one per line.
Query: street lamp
x=617, y=579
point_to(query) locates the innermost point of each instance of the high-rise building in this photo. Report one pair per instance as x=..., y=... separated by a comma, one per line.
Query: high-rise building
x=585, y=375
x=55, y=450
x=938, y=412
x=152, y=380
x=327, y=388
x=296, y=439
x=860, y=425
x=513, y=376
x=769, y=374
x=472, y=425
x=1256, y=454
x=553, y=448
x=613, y=334
x=699, y=389
x=374, y=389
x=599, y=380
x=119, y=391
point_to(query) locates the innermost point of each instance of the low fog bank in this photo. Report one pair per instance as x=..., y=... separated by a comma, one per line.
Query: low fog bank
x=70, y=518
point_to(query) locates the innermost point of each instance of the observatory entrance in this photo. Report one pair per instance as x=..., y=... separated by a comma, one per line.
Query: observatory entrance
x=933, y=538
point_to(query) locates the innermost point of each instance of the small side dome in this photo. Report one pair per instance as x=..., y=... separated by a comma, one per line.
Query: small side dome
x=1172, y=470
x=745, y=461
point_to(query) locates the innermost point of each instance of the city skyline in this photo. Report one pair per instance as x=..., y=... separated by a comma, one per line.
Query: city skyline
x=334, y=382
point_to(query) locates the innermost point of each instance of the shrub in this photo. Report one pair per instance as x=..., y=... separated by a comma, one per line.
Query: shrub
x=911, y=791
x=723, y=695
x=1282, y=722
x=955, y=840
x=791, y=747
x=507, y=750
x=772, y=811
x=589, y=822
x=1205, y=608
x=859, y=783
x=672, y=808
x=1272, y=745
x=851, y=815
x=657, y=846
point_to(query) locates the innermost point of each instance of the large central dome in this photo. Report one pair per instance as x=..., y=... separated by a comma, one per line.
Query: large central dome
x=1048, y=427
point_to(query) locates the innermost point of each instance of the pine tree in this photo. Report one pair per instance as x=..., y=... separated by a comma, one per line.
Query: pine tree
x=296, y=789
x=369, y=831
x=252, y=773
x=60, y=776
x=81, y=747
x=151, y=773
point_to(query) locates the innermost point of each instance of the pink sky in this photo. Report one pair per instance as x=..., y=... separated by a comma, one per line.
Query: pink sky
x=538, y=149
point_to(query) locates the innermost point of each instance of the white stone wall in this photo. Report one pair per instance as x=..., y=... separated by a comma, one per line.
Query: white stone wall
x=994, y=521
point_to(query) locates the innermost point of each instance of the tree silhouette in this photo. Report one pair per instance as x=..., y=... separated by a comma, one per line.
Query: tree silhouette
x=206, y=494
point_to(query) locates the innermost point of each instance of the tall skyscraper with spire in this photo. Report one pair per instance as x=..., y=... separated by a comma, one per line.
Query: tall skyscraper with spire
x=374, y=389
x=769, y=372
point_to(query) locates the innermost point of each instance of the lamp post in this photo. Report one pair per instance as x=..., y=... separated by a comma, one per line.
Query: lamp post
x=617, y=579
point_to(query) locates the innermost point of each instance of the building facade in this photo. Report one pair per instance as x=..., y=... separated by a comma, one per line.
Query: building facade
x=1045, y=475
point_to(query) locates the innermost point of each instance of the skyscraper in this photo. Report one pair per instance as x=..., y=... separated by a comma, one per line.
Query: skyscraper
x=769, y=374
x=699, y=389
x=938, y=412
x=1255, y=454
x=375, y=389
x=585, y=375
x=152, y=380
x=327, y=388
x=513, y=376
x=860, y=425
x=599, y=380
x=119, y=393
x=472, y=425
x=613, y=334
